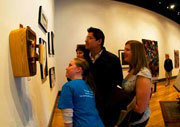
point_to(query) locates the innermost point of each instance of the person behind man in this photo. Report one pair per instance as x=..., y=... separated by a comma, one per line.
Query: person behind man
x=107, y=72
x=168, y=66
x=80, y=51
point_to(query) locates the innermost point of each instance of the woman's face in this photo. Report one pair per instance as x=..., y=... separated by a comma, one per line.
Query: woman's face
x=72, y=70
x=127, y=53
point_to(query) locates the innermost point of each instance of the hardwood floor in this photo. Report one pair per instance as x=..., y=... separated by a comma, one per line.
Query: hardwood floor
x=163, y=94
x=57, y=120
x=156, y=120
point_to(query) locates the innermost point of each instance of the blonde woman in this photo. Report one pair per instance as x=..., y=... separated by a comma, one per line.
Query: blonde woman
x=139, y=81
x=77, y=100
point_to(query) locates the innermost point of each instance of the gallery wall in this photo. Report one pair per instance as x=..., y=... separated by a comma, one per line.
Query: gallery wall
x=120, y=22
x=25, y=102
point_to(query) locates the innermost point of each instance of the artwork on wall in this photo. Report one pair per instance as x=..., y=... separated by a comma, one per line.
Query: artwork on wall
x=43, y=21
x=43, y=58
x=52, y=77
x=121, y=57
x=22, y=44
x=176, y=58
x=151, y=49
x=51, y=43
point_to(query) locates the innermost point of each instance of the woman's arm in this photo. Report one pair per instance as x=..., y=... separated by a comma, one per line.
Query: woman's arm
x=67, y=116
x=143, y=90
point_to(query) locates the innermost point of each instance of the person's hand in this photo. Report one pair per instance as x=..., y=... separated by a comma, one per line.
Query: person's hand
x=68, y=124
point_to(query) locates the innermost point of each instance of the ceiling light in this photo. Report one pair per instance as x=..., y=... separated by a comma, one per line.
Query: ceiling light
x=178, y=13
x=172, y=6
x=159, y=2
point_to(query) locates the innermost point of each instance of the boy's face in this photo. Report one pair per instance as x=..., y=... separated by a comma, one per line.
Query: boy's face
x=79, y=54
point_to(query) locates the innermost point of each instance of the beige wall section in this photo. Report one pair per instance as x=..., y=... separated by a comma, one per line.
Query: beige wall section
x=119, y=21
x=25, y=102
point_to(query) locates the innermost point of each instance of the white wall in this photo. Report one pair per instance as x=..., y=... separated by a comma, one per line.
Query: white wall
x=120, y=22
x=25, y=102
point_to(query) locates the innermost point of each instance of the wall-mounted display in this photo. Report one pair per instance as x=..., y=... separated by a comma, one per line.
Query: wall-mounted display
x=43, y=58
x=124, y=64
x=51, y=43
x=52, y=77
x=43, y=21
x=151, y=49
x=23, y=54
x=176, y=58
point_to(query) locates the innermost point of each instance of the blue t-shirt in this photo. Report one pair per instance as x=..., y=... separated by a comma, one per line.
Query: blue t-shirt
x=76, y=94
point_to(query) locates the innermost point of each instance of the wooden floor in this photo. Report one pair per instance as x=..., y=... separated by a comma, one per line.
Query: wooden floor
x=156, y=120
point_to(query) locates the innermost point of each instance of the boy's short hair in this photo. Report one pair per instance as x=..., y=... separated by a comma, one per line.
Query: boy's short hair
x=80, y=47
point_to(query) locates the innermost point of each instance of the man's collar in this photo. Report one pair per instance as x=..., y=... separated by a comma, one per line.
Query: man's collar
x=96, y=56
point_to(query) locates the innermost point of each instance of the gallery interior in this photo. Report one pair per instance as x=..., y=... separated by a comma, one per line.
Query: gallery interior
x=55, y=27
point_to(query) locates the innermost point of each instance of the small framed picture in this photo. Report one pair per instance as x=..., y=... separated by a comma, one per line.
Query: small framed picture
x=52, y=77
x=124, y=64
x=43, y=58
x=43, y=21
x=51, y=43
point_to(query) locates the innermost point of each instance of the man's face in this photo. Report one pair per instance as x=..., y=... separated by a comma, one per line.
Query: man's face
x=91, y=42
x=166, y=56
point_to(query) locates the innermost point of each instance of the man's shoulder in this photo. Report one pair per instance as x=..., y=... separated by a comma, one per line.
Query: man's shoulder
x=109, y=54
x=167, y=60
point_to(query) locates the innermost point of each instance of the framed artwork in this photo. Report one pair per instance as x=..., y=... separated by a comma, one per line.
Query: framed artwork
x=43, y=58
x=152, y=55
x=51, y=43
x=124, y=64
x=52, y=77
x=42, y=20
x=176, y=58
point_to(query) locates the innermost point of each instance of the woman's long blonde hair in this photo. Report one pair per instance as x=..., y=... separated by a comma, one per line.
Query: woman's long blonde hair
x=86, y=74
x=138, y=56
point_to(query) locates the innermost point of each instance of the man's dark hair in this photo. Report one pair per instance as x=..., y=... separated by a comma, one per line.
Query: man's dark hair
x=98, y=34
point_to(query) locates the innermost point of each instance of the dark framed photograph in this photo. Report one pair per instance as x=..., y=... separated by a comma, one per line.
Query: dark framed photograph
x=124, y=64
x=176, y=58
x=43, y=21
x=43, y=58
x=51, y=43
x=152, y=55
x=52, y=77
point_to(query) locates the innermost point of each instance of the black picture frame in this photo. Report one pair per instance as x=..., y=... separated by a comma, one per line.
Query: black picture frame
x=42, y=20
x=43, y=58
x=124, y=64
x=52, y=40
x=52, y=77
x=51, y=43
